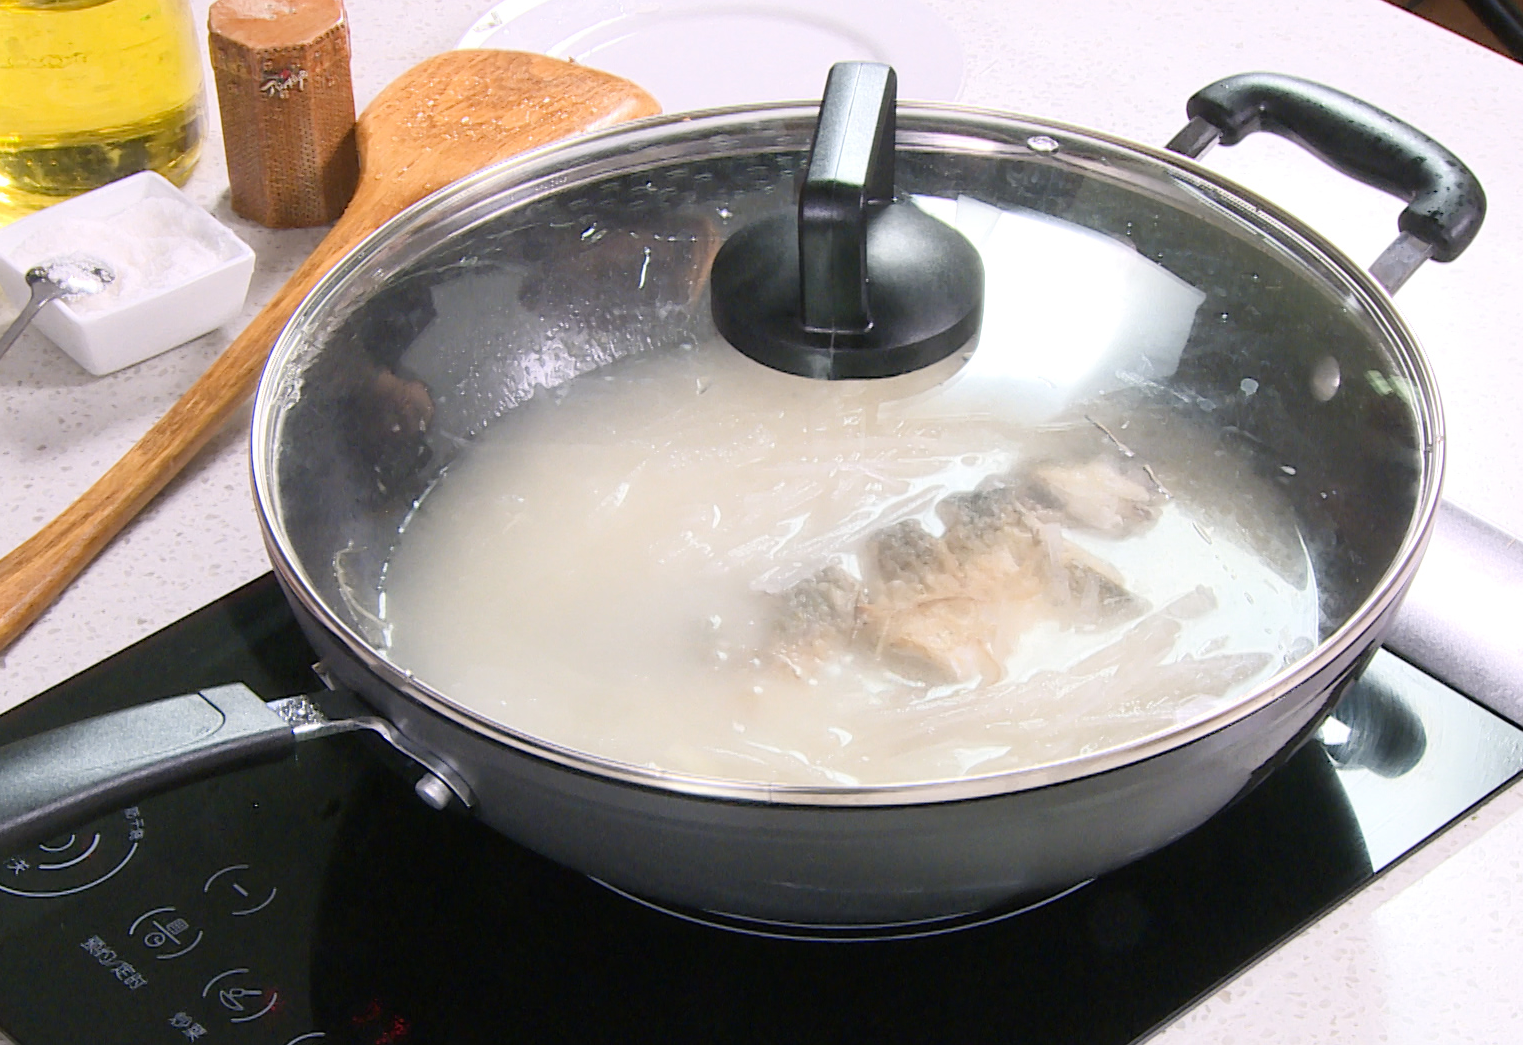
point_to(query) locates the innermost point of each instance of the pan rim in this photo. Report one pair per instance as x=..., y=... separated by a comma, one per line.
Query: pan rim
x=1358, y=631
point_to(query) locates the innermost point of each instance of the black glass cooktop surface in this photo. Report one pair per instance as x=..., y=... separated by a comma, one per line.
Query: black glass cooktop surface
x=320, y=900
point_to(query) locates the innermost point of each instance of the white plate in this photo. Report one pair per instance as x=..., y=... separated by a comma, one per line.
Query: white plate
x=700, y=54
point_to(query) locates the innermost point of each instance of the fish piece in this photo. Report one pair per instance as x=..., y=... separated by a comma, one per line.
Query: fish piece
x=819, y=618
x=914, y=564
x=952, y=608
x=922, y=611
x=991, y=534
x=1098, y=495
x=1090, y=590
x=945, y=638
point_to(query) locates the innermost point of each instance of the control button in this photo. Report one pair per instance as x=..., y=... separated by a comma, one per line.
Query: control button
x=165, y=932
x=234, y=993
x=73, y=863
x=236, y=887
x=61, y=845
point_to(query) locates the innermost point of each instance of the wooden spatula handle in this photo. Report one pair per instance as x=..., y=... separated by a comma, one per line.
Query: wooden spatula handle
x=514, y=101
x=36, y=573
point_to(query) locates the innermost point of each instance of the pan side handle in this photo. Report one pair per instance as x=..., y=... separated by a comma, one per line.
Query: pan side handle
x=69, y=775
x=1458, y=620
x=1445, y=202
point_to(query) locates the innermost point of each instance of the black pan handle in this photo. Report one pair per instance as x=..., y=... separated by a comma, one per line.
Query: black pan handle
x=69, y=775
x=60, y=779
x=1445, y=202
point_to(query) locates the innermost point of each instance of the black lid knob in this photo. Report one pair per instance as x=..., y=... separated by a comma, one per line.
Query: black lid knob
x=857, y=285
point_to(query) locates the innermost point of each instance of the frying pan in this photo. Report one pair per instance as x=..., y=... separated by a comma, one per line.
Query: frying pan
x=1343, y=417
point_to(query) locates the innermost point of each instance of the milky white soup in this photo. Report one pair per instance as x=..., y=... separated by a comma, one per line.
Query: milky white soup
x=684, y=560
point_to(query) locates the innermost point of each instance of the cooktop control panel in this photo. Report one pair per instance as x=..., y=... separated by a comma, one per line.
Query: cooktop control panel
x=186, y=917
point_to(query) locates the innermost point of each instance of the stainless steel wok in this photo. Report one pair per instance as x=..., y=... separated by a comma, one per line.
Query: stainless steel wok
x=352, y=427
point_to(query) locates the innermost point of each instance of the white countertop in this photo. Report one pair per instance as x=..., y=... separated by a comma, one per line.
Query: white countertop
x=1430, y=951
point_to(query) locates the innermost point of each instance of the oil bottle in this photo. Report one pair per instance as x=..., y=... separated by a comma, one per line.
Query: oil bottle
x=91, y=91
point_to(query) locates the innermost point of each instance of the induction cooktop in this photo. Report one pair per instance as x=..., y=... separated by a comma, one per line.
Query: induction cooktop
x=320, y=900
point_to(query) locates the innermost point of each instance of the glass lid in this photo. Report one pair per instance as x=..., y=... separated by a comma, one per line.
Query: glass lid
x=1180, y=457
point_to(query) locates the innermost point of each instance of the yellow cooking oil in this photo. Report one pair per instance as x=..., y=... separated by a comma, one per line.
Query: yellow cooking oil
x=92, y=91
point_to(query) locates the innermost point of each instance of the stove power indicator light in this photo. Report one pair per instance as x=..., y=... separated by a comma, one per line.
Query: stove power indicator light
x=379, y=1025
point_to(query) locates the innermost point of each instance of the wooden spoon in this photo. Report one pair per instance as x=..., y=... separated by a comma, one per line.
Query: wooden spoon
x=441, y=120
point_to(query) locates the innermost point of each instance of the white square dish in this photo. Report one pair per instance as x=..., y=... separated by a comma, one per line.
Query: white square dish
x=179, y=272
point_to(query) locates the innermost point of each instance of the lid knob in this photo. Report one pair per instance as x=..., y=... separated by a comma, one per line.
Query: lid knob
x=857, y=285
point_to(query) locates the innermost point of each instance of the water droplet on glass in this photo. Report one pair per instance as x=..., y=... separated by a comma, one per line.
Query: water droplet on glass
x=1042, y=143
x=1287, y=469
x=1248, y=385
x=1326, y=376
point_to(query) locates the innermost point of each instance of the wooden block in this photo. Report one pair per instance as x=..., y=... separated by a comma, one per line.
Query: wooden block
x=287, y=106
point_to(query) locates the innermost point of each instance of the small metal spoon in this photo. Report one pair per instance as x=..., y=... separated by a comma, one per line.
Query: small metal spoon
x=63, y=278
